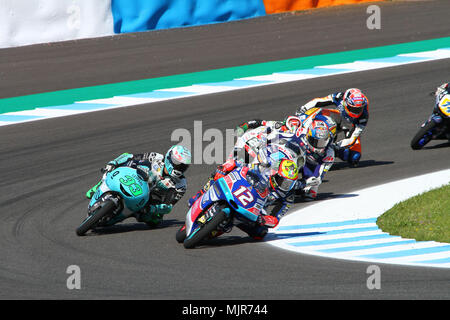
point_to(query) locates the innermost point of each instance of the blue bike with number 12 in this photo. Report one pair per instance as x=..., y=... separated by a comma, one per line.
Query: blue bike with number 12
x=239, y=197
x=122, y=192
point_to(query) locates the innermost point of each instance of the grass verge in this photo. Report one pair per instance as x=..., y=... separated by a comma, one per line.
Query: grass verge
x=423, y=217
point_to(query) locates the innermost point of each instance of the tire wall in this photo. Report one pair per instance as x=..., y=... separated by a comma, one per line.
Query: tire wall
x=142, y=15
x=26, y=22
x=277, y=6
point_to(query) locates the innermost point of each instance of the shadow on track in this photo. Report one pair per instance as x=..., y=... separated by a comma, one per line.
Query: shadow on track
x=280, y=236
x=361, y=164
x=325, y=196
x=238, y=240
x=232, y=240
x=438, y=146
x=133, y=227
x=226, y=241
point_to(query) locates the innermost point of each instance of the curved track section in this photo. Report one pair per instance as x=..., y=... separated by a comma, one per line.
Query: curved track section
x=346, y=227
x=48, y=165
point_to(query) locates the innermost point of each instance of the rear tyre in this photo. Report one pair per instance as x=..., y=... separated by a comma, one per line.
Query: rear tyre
x=91, y=221
x=423, y=136
x=205, y=231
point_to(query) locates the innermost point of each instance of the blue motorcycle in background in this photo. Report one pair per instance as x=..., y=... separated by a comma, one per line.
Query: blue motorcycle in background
x=437, y=127
x=239, y=197
x=123, y=192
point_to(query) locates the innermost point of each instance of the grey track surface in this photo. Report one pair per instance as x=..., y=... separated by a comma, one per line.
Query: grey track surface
x=82, y=63
x=47, y=166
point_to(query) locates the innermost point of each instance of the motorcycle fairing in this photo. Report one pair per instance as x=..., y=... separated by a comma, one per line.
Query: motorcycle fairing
x=235, y=191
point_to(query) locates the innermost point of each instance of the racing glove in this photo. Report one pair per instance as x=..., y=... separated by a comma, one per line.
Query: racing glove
x=224, y=169
x=108, y=168
x=124, y=157
x=252, y=124
x=313, y=181
x=441, y=89
x=301, y=110
x=239, y=132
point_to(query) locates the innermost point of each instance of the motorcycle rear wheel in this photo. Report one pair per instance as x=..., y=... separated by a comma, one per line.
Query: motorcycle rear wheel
x=91, y=221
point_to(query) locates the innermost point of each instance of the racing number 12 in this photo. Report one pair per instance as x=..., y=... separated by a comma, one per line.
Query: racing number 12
x=244, y=198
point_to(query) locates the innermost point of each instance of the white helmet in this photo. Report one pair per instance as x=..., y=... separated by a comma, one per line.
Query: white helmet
x=177, y=160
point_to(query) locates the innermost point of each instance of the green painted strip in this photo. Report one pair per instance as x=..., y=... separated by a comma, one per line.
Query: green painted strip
x=131, y=87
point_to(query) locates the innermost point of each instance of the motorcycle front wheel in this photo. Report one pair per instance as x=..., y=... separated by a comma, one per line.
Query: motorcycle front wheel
x=181, y=234
x=423, y=136
x=91, y=221
x=205, y=230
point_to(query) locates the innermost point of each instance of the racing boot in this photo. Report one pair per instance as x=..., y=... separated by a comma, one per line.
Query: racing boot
x=153, y=216
x=205, y=188
x=259, y=230
x=349, y=156
x=256, y=232
x=92, y=190
x=310, y=193
x=354, y=158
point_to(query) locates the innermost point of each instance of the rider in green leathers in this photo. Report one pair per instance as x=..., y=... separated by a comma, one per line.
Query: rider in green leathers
x=165, y=178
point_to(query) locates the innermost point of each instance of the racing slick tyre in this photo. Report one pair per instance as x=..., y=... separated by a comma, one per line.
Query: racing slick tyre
x=205, y=231
x=181, y=234
x=92, y=220
x=423, y=136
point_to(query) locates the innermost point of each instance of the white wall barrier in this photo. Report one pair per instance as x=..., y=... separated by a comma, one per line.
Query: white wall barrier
x=26, y=22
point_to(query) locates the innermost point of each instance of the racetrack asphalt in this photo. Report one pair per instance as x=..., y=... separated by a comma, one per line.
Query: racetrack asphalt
x=48, y=165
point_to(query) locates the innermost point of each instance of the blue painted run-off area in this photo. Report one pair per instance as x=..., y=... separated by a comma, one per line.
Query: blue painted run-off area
x=142, y=15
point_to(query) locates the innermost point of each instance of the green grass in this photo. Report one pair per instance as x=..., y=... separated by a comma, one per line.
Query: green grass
x=423, y=217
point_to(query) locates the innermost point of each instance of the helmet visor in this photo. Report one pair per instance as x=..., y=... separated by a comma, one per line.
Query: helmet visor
x=355, y=110
x=182, y=167
x=317, y=142
x=174, y=168
x=284, y=184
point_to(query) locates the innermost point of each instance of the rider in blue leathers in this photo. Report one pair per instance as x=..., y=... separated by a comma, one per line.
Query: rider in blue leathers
x=316, y=139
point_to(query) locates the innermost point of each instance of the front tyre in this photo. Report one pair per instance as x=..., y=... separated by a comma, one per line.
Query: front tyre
x=181, y=234
x=423, y=136
x=205, y=230
x=92, y=220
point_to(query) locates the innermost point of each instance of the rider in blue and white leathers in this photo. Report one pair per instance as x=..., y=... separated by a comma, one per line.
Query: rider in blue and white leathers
x=314, y=143
x=316, y=139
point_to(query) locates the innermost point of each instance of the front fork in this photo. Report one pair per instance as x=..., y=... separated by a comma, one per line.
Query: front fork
x=117, y=215
x=435, y=131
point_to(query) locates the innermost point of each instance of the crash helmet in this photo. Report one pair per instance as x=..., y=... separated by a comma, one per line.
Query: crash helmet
x=177, y=160
x=285, y=177
x=293, y=123
x=354, y=102
x=318, y=136
x=441, y=91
